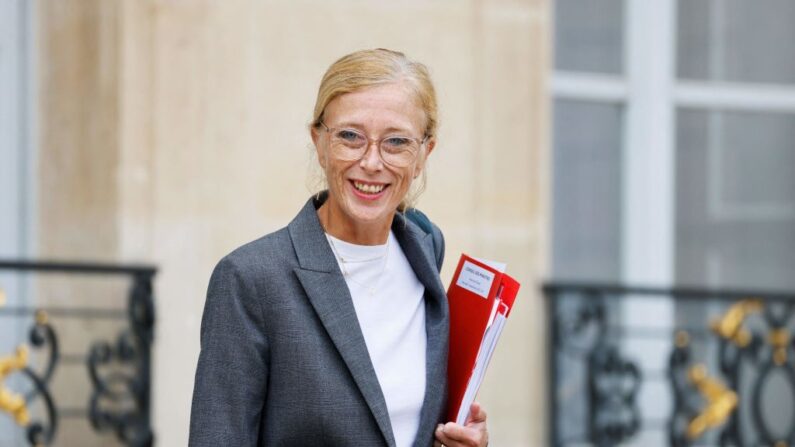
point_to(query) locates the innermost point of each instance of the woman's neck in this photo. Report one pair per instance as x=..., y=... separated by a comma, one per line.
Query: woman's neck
x=337, y=224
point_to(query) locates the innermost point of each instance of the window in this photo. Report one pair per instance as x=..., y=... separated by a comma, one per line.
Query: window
x=683, y=106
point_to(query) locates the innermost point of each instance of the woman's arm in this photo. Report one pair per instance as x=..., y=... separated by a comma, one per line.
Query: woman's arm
x=231, y=377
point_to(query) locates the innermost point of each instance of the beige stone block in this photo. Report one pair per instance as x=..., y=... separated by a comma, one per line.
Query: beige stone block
x=78, y=129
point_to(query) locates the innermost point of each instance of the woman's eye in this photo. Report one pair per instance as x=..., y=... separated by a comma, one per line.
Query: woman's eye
x=397, y=142
x=349, y=136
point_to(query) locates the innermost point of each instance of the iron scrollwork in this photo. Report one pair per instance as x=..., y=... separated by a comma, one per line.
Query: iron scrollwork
x=614, y=384
x=42, y=336
x=731, y=381
x=612, y=380
x=120, y=371
x=741, y=352
x=689, y=422
x=772, y=354
x=120, y=374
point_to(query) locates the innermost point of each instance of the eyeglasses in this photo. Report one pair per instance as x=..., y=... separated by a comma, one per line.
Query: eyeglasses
x=395, y=150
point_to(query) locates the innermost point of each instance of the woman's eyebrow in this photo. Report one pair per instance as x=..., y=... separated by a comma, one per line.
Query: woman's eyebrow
x=359, y=126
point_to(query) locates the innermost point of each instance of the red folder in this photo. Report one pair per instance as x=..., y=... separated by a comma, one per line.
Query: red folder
x=480, y=297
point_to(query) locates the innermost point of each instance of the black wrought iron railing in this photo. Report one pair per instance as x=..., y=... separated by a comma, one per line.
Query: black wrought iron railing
x=118, y=369
x=670, y=366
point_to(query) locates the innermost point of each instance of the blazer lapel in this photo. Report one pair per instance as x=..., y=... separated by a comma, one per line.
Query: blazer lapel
x=418, y=248
x=328, y=293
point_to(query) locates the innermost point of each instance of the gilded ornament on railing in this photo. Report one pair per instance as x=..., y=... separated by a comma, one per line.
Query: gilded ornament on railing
x=730, y=326
x=41, y=317
x=12, y=403
x=681, y=339
x=721, y=402
x=779, y=338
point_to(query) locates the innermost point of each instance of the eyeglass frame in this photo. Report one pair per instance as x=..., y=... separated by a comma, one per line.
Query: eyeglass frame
x=377, y=141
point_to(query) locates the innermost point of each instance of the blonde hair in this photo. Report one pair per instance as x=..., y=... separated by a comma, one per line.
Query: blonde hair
x=368, y=68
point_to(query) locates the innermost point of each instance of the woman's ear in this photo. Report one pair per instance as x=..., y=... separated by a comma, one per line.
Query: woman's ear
x=430, y=145
x=428, y=149
x=315, y=134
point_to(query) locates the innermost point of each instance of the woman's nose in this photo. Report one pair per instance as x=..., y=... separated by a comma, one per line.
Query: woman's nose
x=372, y=157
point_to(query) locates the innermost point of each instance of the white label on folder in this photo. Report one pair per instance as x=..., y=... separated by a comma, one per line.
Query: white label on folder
x=475, y=279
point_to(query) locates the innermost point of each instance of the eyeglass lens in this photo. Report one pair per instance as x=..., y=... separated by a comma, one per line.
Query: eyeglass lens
x=395, y=150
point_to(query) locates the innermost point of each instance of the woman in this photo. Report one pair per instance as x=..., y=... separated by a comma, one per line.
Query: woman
x=334, y=330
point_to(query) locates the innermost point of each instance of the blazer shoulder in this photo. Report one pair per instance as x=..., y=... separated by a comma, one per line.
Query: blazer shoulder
x=270, y=250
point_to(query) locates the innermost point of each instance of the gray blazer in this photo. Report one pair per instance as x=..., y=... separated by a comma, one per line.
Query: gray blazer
x=283, y=361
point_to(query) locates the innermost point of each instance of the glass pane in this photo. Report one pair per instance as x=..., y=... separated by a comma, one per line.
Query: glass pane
x=737, y=40
x=589, y=35
x=735, y=199
x=587, y=191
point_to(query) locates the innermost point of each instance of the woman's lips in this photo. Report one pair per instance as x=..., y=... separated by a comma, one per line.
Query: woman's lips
x=368, y=190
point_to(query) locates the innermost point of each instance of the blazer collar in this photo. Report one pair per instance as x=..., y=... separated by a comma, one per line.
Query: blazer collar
x=328, y=293
x=314, y=253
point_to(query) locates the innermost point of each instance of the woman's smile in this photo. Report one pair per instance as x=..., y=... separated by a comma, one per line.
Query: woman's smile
x=368, y=190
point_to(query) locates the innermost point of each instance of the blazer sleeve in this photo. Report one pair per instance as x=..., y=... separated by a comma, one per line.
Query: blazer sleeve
x=231, y=377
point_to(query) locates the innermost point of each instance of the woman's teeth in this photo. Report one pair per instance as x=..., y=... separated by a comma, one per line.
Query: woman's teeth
x=369, y=189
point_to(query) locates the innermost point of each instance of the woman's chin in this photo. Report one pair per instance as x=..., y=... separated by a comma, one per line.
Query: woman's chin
x=370, y=214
